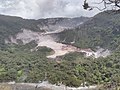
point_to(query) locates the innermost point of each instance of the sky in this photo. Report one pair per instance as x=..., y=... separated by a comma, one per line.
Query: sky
x=36, y=9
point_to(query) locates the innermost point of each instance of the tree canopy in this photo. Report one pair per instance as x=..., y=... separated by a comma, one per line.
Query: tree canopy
x=113, y=3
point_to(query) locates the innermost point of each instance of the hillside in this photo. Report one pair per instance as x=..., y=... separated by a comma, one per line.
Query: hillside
x=26, y=43
x=10, y=26
x=102, y=30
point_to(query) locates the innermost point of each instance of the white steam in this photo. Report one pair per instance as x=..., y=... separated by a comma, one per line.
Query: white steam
x=45, y=8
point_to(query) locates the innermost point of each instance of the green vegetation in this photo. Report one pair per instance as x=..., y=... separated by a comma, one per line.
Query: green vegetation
x=74, y=69
x=9, y=26
x=18, y=63
x=102, y=30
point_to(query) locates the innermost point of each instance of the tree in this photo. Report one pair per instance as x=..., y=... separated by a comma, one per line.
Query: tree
x=115, y=3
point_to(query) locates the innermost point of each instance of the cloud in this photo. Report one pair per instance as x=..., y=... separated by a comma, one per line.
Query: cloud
x=35, y=9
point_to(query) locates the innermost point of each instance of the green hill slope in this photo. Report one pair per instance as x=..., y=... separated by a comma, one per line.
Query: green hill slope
x=12, y=25
x=102, y=30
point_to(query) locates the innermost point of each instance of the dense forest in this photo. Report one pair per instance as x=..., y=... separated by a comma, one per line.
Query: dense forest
x=102, y=30
x=18, y=63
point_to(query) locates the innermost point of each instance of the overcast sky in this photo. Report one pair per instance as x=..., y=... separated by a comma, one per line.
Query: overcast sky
x=35, y=9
